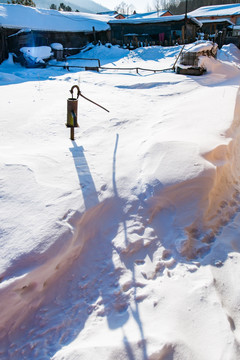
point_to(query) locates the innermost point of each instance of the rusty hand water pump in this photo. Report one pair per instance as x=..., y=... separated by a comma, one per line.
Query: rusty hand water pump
x=72, y=110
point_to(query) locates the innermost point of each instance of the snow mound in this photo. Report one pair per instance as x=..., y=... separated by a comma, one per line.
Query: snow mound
x=229, y=53
x=223, y=69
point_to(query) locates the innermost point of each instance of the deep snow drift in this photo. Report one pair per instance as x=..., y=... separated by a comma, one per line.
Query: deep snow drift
x=122, y=244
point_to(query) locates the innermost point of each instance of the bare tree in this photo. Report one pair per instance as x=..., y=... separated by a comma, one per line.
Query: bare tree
x=165, y=4
x=130, y=9
x=149, y=8
x=124, y=8
x=157, y=5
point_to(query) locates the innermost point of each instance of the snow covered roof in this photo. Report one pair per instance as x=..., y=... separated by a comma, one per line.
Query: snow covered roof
x=148, y=15
x=216, y=10
x=155, y=20
x=110, y=13
x=21, y=17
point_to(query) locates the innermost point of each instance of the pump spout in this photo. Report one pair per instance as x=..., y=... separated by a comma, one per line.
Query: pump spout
x=74, y=119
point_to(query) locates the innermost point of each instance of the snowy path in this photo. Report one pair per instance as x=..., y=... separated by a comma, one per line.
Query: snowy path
x=115, y=243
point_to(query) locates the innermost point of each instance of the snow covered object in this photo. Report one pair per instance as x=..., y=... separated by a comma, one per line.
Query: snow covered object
x=189, y=60
x=32, y=57
x=57, y=49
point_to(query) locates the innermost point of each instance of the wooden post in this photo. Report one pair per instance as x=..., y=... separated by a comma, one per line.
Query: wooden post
x=183, y=34
x=94, y=35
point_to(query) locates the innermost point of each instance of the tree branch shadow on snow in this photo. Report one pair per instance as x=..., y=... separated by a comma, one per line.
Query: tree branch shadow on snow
x=114, y=166
x=135, y=312
x=129, y=351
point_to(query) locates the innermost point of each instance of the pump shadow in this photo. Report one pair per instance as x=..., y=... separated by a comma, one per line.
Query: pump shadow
x=86, y=182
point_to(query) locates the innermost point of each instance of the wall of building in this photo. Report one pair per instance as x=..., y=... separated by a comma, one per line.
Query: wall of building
x=3, y=46
x=160, y=33
x=46, y=38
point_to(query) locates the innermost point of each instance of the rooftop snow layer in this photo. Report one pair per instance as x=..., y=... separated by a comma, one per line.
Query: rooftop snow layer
x=88, y=6
x=148, y=15
x=19, y=16
x=217, y=10
x=155, y=20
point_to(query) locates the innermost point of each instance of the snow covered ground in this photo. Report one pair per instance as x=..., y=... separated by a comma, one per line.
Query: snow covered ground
x=122, y=244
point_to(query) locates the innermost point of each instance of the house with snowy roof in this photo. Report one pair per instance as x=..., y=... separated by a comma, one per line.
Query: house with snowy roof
x=154, y=30
x=223, y=19
x=27, y=26
x=230, y=12
x=210, y=26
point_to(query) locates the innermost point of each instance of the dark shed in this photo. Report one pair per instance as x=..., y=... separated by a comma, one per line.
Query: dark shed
x=165, y=30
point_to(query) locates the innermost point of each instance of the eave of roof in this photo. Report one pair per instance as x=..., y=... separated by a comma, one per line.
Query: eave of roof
x=208, y=21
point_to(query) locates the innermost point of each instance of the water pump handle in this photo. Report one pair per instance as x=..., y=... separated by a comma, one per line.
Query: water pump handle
x=78, y=90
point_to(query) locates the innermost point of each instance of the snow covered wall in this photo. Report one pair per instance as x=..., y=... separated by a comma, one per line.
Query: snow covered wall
x=125, y=242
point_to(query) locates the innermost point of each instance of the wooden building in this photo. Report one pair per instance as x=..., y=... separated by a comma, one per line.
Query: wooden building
x=220, y=21
x=166, y=30
x=72, y=41
x=229, y=12
x=26, y=26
